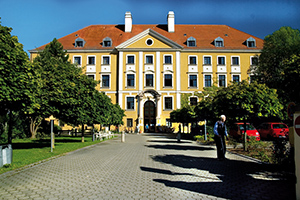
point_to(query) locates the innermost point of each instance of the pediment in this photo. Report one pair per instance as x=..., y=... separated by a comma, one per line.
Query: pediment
x=149, y=39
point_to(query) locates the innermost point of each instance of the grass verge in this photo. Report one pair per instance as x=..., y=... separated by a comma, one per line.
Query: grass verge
x=29, y=151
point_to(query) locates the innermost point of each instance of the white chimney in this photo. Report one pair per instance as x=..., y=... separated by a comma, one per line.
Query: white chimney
x=171, y=22
x=128, y=22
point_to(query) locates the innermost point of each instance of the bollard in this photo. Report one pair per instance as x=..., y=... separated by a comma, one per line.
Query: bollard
x=5, y=154
x=123, y=136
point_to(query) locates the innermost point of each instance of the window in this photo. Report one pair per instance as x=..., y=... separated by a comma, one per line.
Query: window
x=236, y=78
x=149, y=59
x=193, y=101
x=149, y=80
x=168, y=122
x=130, y=59
x=77, y=60
x=91, y=60
x=193, y=80
x=219, y=42
x=222, y=81
x=79, y=42
x=149, y=42
x=105, y=60
x=235, y=61
x=207, y=81
x=130, y=80
x=207, y=60
x=168, y=59
x=130, y=103
x=193, y=60
x=168, y=80
x=254, y=61
x=105, y=80
x=91, y=76
x=191, y=42
x=168, y=103
x=107, y=42
x=221, y=60
x=129, y=122
x=251, y=42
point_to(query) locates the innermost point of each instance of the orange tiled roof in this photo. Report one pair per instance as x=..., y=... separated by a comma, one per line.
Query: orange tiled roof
x=204, y=35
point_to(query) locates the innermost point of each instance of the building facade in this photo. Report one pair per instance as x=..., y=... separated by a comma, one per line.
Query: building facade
x=147, y=69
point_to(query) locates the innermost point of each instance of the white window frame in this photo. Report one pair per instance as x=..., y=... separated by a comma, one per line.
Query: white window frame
x=236, y=75
x=133, y=59
x=171, y=59
x=105, y=87
x=210, y=60
x=87, y=59
x=102, y=59
x=189, y=61
x=232, y=60
x=134, y=84
x=164, y=80
x=80, y=60
x=191, y=39
x=146, y=59
x=211, y=80
x=219, y=39
x=224, y=61
x=168, y=96
x=219, y=80
x=251, y=57
x=133, y=103
x=145, y=86
x=193, y=87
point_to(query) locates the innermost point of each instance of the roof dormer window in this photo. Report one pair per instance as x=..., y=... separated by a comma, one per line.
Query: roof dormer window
x=107, y=42
x=251, y=42
x=219, y=42
x=191, y=42
x=79, y=42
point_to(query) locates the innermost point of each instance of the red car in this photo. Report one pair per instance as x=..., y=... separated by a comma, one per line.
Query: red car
x=238, y=131
x=271, y=130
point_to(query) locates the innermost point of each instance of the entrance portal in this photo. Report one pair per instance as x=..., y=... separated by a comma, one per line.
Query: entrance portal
x=150, y=115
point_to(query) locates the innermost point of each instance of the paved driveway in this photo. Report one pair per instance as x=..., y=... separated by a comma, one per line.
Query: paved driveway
x=146, y=166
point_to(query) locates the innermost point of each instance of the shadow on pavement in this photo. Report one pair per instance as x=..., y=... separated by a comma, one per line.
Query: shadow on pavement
x=234, y=179
x=167, y=141
x=180, y=147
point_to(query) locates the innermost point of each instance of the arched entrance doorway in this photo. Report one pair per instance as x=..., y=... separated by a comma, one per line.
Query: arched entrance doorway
x=150, y=115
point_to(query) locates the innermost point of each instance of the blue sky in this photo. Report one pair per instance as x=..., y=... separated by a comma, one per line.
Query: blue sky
x=37, y=22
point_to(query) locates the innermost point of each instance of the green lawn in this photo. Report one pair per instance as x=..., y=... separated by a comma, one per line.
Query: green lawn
x=27, y=151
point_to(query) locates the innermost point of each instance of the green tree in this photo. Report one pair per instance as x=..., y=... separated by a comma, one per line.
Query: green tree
x=243, y=101
x=16, y=77
x=279, y=47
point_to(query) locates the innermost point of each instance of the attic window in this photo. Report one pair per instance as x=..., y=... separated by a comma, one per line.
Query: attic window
x=107, y=42
x=219, y=42
x=251, y=42
x=191, y=42
x=79, y=42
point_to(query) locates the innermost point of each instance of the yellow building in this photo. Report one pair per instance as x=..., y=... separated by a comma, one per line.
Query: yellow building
x=146, y=69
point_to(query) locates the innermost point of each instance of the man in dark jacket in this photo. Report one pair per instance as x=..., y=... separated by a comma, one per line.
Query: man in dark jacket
x=220, y=132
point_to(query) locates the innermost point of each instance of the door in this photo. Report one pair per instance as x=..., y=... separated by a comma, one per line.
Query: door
x=150, y=115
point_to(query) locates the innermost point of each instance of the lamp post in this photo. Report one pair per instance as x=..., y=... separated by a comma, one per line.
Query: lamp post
x=52, y=134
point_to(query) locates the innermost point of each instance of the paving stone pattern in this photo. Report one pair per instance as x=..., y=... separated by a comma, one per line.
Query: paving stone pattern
x=146, y=166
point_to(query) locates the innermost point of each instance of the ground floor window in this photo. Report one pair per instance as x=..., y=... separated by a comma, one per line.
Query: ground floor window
x=129, y=122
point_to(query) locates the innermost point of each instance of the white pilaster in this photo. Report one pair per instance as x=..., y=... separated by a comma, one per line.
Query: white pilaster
x=178, y=80
x=157, y=71
x=120, y=97
x=141, y=69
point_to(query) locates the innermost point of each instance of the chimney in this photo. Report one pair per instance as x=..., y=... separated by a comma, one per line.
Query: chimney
x=171, y=22
x=128, y=22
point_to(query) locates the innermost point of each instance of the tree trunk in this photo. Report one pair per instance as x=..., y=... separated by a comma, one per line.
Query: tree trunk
x=34, y=125
x=82, y=133
x=10, y=125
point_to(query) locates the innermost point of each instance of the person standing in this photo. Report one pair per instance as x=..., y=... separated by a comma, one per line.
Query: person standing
x=220, y=132
x=147, y=128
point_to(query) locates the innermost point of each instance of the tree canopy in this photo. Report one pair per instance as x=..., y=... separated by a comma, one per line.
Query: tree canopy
x=16, y=76
x=273, y=69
